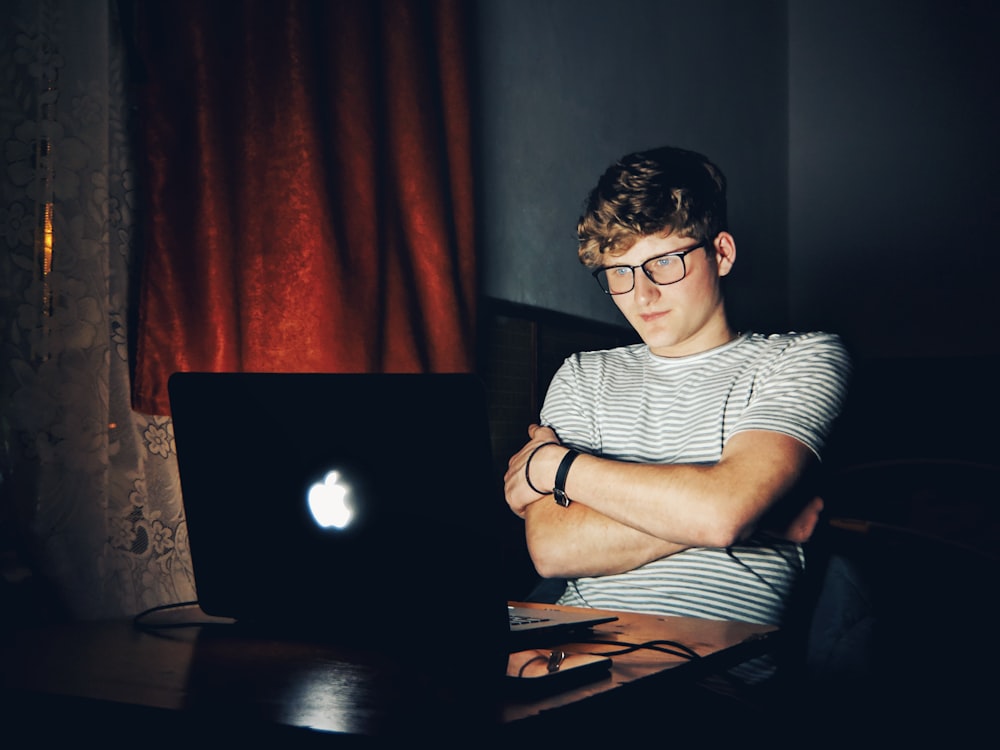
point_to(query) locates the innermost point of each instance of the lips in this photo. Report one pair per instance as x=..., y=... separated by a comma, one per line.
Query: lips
x=650, y=317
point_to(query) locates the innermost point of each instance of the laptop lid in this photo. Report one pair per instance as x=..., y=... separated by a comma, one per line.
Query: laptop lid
x=346, y=504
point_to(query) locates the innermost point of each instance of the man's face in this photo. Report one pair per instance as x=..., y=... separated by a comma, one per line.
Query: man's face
x=688, y=316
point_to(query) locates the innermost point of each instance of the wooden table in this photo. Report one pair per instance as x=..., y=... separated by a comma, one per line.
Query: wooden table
x=109, y=678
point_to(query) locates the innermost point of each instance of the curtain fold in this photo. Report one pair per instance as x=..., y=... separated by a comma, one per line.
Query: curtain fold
x=308, y=183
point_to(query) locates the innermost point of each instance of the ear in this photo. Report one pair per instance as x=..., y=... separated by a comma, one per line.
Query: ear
x=725, y=253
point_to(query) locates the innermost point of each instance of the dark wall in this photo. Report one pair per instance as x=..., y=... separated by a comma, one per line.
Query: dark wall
x=858, y=136
x=568, y=86
x=894, y=156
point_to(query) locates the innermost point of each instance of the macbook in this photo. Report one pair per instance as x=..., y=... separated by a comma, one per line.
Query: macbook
x=363, y=508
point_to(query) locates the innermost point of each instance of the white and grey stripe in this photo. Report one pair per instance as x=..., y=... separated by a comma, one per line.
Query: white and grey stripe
x=630, y=405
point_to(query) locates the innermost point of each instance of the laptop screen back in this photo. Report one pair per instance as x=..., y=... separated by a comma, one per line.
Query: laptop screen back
x=355, y=506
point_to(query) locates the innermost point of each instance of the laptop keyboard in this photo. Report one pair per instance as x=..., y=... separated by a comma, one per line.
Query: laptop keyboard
x=518, y=619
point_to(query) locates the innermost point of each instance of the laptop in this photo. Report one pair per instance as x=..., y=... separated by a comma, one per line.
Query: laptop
x=360, y=508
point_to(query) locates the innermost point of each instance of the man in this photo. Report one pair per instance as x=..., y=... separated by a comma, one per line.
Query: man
x=669, y=460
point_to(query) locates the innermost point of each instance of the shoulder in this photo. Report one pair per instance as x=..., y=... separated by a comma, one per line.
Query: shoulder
x=586, y=374
x=816, y=362
x=797, y=340
x=605, y=359
x=817, y=346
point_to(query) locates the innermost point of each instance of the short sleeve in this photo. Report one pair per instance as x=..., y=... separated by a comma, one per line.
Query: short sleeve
x=801, y=390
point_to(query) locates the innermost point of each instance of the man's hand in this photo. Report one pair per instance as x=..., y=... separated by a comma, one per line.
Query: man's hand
x=804, y=524
x=518, y=492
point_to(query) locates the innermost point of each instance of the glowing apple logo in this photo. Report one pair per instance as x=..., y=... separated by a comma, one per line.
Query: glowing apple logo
x=328, y=502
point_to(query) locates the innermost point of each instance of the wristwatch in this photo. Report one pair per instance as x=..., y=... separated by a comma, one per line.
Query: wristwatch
x=559, y=491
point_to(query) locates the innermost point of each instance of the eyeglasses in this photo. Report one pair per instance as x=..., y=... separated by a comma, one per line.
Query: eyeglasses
x=662, y=270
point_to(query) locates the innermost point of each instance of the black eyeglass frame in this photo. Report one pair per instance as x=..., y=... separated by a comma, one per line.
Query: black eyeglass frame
x=678, y=253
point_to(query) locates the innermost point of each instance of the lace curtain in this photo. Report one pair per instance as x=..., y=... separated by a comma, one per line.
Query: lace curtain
x=89, y=494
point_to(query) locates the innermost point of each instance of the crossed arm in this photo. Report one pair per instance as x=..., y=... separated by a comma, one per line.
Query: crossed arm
x=625, y=515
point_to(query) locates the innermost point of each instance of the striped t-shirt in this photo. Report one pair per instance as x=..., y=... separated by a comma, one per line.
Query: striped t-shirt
x=631, y=405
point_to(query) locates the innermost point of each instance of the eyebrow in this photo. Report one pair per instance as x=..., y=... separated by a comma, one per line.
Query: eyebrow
x=682, y=251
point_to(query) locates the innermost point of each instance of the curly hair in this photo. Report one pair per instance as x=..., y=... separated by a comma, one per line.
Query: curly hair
x=660, y=191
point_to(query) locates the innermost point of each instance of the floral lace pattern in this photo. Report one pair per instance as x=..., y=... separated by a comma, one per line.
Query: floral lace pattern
x=89, y=493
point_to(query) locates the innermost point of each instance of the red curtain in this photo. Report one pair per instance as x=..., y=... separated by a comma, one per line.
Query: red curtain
x=308, y=189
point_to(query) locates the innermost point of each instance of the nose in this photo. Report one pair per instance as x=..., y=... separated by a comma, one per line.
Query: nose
x=645, y=290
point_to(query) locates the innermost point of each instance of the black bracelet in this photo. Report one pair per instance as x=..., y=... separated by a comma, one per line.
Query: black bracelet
x=527, y=465
x=561, y=473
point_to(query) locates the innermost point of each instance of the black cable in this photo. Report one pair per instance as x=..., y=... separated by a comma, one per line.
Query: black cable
x=139, y=624
x=663, y=646
x=775, y=547
x=532, y=660
x=668, y=647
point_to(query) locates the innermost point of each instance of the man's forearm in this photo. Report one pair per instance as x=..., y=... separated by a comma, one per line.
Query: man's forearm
x=578, y=541
x=706, y=505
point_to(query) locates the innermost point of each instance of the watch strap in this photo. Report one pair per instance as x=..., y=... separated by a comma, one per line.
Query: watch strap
x=559, y=491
